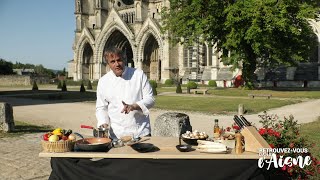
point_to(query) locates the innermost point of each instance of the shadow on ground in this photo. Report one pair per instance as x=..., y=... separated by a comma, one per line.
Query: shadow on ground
x=31, y=129
x=23, y=128
x=28, y=97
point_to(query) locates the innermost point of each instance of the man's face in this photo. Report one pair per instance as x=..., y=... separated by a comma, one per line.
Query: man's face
x=116, y=64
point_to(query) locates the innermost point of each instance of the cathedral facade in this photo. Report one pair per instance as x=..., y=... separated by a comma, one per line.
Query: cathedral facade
x=135, y=27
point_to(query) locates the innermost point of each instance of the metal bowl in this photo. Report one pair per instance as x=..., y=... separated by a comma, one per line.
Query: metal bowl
x=192, y=141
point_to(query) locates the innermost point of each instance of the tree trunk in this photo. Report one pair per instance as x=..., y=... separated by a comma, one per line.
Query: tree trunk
x=249, y=67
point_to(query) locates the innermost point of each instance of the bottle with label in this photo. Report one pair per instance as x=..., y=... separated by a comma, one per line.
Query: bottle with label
x=216, y=128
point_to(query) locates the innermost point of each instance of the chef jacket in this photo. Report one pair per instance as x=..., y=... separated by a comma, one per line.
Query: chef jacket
x=132, y=87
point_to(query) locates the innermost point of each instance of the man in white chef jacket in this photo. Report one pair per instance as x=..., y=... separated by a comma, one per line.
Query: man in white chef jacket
x=124, y=97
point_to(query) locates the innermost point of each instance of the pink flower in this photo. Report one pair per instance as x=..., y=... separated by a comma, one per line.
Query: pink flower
x=284, y=168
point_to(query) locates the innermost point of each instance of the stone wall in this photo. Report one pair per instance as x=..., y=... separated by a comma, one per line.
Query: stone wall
x=12, y=80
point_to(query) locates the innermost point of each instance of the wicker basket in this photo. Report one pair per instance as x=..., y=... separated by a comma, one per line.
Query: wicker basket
x=59, y=146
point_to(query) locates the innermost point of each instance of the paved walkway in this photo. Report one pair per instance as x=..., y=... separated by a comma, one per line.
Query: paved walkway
x=19, y=156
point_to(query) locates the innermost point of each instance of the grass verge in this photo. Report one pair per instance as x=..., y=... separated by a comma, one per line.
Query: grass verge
x=22, y=128
x=311, y=132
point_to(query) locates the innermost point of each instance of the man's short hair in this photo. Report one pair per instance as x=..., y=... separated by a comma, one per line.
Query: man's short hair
x=113, y=51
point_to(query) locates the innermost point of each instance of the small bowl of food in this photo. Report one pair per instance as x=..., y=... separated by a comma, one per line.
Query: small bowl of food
x=228, y=135
x=192, y=137
x=184, y=148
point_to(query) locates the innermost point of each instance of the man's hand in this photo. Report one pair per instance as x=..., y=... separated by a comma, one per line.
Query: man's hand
x=104, y=126
x=129, y=107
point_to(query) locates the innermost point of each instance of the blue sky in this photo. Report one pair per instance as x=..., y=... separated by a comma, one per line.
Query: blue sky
x=37, y=32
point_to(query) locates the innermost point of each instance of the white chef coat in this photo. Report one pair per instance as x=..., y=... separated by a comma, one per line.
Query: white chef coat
x=132, y=87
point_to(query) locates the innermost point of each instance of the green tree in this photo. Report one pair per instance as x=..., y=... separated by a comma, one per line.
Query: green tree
x=5, y=67
x=212, y=83
x=59, y=86
x=82, y=88
x=154, y=86
x=39, y=69
x=250, y=33
x=89, y=86
x=169, y=82
x=63, y=72
x=18, y=65
x=179, y=90
x=64, y=86
x=35, y=86
x=192, y=85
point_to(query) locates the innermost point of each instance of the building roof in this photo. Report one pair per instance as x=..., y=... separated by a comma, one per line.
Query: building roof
x=23, y=71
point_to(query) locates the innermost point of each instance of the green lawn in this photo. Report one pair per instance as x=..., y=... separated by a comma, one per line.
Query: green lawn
x=218, y=105
x=276, y=93
x=206, y=104
x=312, y=134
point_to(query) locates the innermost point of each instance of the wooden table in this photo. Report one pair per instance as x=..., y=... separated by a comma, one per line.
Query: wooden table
x=167, y=146
x=80, y=165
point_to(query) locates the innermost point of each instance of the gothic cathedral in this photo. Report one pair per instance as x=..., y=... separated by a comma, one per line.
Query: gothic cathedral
x=134, y=26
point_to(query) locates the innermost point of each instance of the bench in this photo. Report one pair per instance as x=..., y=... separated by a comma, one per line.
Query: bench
x=260, y=95
x=204, y=91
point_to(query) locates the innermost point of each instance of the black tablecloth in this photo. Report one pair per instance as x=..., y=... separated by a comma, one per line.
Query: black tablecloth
x=154, y=169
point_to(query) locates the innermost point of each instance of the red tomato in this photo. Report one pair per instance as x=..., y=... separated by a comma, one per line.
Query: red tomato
x=46, y=137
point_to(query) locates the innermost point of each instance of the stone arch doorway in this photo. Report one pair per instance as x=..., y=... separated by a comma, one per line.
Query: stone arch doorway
x=87, y=62
x=117, y=39
x=151, y=63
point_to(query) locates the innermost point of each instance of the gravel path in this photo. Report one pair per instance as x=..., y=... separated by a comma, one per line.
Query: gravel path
x=19, y=156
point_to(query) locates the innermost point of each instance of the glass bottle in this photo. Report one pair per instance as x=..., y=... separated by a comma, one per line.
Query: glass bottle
x=216, y=128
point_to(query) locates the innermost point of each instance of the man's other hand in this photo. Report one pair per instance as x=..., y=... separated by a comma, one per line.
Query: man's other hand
x=129, y=107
